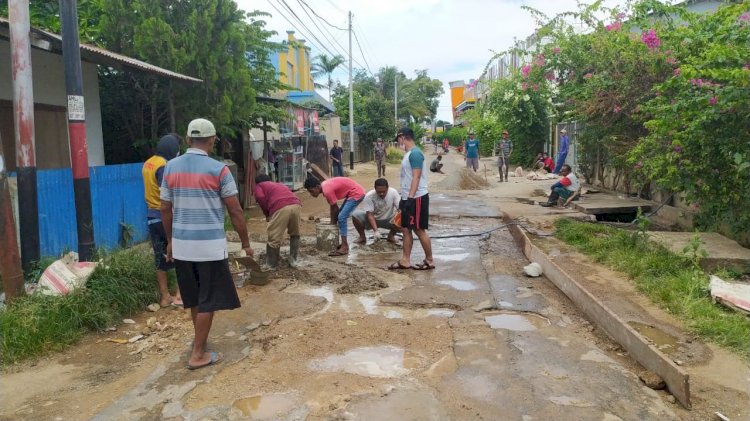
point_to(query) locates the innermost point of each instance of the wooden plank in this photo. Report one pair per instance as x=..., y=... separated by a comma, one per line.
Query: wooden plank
x=637, y=346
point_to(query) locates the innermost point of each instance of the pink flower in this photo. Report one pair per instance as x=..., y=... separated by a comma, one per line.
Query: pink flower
x=620, y=16
x=651, y=40
x=556, y=50
x=535, y=87
x=539, y=60
x=617, y=109
x=671, y=60
x=613, y=27
x=549, y=76
x=746, y=67
x=524, y=86
x=588, y=76
x=676, y=72
x=525, y=70
x=744, y=18
x=713, y=100
x=677, y=149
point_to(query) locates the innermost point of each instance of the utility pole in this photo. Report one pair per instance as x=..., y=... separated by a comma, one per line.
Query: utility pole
x=77, y=129
x=23, y=118
x=351, y=99
x=395, y=100
x=10, y=259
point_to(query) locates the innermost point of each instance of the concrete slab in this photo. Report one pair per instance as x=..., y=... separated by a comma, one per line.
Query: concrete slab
x=599, y=203
x=722, y=251
x=455, y=206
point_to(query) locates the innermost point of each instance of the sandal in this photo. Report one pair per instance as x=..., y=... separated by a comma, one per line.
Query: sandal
x=425, y=265
x=338, y=253
x=397, y=266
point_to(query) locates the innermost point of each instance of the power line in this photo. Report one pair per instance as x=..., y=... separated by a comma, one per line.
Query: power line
x=320, y=17
x=335, y=41
x=295, y=26
x=336, y=7
x=283, y=3
x=368, y=46
x=363, y=54
x=316, y=25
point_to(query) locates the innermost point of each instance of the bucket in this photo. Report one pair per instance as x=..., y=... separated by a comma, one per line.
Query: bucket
x=327, y=236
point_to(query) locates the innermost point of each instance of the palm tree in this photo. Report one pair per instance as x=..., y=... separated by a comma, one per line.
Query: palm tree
x=323, y=67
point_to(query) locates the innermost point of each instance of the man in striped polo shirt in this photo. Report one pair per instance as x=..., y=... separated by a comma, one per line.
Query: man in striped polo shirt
x=194, y=192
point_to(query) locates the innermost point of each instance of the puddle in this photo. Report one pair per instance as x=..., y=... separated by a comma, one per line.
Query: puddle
x=265, y=407
x=459, y=285
x=441, y=312
x=505, y=304
x=516, y=322
x=663, y=341
x=370, y=304
x=381, y=361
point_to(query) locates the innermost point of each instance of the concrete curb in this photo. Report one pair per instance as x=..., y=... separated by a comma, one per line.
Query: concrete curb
x=638, y=347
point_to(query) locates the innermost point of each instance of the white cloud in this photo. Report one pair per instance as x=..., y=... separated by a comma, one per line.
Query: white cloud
x=451, y=38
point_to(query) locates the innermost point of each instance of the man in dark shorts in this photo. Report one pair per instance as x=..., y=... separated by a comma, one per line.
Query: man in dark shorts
x=153, y=172
x=336, y=154
x=194, y=192
x=415, y=203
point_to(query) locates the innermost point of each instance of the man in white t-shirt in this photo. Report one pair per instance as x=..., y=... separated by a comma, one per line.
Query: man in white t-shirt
x=565, y=188
x=377, y=210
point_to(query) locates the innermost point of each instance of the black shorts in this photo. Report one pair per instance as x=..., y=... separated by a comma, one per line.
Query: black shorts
x=415, y=214
x=207, y=285
x=159, y=244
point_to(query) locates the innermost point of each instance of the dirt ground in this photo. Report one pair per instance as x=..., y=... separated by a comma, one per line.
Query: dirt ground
x=342, y=339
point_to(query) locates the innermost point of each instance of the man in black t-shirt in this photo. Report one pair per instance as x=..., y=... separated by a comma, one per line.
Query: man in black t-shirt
x=337, y=168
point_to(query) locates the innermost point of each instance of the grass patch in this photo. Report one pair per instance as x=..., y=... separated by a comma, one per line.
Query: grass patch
x=36, y=324
x=674, y=282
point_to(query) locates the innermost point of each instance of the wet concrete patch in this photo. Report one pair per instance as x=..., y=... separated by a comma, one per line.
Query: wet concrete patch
x=510, y=292
x=447, y=206
x=516, y=322
x=381, y=361
x=398, y=404
x=458, y=285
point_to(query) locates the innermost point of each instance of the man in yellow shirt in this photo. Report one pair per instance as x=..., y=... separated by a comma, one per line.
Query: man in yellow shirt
x=153, y=171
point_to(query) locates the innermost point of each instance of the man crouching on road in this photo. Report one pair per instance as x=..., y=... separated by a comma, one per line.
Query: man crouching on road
x=377, y=210
x=192, y=192
x=564, y=188
x=282, y=210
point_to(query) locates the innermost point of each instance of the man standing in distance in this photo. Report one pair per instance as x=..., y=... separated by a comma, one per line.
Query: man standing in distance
x=562, y=154
x=504, y=149
x=471, y=146
x=415, y=203
x=336, y=153
x=380, y=157
x=194, y=192
x=153, y=173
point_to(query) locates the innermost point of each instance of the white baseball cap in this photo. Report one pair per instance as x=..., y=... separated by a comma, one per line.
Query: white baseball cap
x=200, y=127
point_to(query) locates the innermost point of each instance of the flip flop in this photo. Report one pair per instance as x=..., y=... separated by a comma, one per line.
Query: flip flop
x=423, y=266
x=178, y=305
x=215, y=359
x=397, y=266
x=338, y=253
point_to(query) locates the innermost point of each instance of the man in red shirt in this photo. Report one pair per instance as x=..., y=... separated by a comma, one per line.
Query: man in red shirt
x=335, y=189
x=282, y=210
x=549, y=163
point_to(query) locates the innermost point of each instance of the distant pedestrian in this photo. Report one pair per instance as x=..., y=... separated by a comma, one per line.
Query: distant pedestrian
x=380, y=157
x=471, y=146
x=282, y=210
x=446, y=145
x=378, y=208
x=563, y=189
x=335, y=189
x=153, y=173
x=437, y=165
x=562, y=153
x=414, y=205
x=195, y=190
x=336, y=164
x=504, y=149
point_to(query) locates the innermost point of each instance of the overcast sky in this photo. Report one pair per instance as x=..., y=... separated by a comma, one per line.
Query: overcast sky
x=450, y=38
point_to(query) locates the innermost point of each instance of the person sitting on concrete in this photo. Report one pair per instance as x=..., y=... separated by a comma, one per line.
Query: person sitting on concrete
x=335, y=189
x=378, y=209
x=437, y=165
x=282, y=210
x=564, y=188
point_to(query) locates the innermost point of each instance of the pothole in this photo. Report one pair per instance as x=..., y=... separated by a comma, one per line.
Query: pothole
x=265, y=406
x=516, y=322
x=380, y=361
x=662, y=340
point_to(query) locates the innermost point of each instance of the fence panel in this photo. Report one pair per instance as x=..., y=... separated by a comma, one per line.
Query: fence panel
x=116, y=199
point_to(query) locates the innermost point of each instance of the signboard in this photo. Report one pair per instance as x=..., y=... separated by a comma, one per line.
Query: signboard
x=315, y=121
x=300, y=116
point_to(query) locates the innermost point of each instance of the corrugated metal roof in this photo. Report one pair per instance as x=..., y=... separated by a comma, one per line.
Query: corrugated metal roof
x=96, y=55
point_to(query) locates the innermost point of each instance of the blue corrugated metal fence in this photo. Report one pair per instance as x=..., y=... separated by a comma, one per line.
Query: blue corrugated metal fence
x=117, y=201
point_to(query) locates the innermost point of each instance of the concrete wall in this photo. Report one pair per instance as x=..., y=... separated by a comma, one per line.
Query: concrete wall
x=330, y=127
x=50, y=101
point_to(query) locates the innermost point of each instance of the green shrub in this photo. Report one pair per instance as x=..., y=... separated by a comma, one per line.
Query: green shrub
x=394, y=155
x=123, y=285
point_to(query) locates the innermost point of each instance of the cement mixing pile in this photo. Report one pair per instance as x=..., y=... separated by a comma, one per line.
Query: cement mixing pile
x=463, y=179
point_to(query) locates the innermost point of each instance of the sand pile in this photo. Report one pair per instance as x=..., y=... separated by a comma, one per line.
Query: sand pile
x=463, y=179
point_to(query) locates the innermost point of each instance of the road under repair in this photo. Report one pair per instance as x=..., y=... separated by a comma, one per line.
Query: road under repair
x=345, y=340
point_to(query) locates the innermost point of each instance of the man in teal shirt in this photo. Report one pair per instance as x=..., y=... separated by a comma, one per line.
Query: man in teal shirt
x=471, y=146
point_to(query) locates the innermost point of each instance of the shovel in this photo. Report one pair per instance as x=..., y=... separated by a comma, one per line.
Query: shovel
x=257, y=276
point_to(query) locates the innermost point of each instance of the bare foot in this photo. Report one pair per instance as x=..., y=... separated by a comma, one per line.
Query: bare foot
x=361, y=240
x=166, y=300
